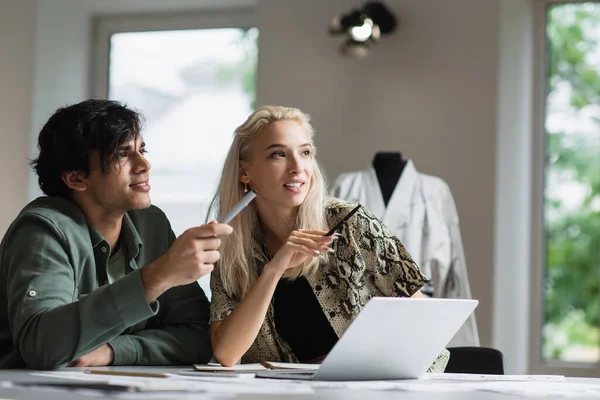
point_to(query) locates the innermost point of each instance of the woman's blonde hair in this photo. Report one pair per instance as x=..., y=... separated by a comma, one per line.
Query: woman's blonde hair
x=239, y=250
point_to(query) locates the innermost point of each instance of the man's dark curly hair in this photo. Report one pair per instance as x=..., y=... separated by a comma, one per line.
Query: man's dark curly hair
x=66, y=140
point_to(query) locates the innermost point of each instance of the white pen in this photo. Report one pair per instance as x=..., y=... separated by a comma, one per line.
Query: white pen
x=225, y=219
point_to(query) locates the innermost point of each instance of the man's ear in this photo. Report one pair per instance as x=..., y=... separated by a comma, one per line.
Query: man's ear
x=75, y=180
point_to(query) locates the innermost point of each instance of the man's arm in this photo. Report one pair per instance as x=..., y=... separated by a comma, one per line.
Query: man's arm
x=181, y=337
x=50, y=326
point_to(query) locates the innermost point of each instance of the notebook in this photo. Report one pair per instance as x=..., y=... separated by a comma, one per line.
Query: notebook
x=252, y=368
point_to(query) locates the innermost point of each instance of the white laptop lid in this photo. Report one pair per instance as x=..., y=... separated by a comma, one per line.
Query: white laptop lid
x=395, y=338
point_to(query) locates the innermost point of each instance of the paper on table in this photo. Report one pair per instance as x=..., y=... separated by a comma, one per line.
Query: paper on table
x=554, y=389
x=400, y=385
x=78, y=375
x=482, y=377
x=281, y=365
x=213, y=367
x=219, y=386
x=135, y=383
x=207, y=385
x=193, y=374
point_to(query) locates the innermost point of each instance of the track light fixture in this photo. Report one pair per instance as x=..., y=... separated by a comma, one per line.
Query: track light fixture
x=362, y=27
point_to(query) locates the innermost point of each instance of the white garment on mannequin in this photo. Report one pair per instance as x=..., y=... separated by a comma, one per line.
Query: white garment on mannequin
x=422, y=214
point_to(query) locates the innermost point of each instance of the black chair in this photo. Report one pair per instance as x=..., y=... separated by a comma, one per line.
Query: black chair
x=475, y=360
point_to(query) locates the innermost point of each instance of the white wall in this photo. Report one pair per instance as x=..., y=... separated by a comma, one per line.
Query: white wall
x=16, y=52
x=429, y=91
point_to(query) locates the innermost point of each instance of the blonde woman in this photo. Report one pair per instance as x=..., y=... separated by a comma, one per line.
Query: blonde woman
x=282, y=290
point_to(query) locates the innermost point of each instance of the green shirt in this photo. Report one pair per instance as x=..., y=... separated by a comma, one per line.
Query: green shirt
x=116, y=265
x=56, y=303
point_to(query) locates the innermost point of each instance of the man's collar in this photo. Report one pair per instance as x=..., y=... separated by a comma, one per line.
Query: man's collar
x=129, y=235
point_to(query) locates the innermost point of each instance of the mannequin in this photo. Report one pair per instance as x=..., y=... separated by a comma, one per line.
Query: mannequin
x=388, y=167
x=420, y=211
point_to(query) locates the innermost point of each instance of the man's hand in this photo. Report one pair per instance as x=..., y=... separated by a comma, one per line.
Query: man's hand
x=190, y=257
x=101, y=357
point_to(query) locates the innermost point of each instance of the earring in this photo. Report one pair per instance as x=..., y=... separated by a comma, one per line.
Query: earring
x=245, y=188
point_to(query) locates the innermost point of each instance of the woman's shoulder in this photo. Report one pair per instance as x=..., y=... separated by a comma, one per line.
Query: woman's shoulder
x=336, y=209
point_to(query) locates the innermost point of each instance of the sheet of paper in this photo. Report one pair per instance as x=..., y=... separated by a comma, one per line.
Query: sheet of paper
x=281, y=365
x=77, y=375
x=157, y=383
x=481, y=377
x=409, y=385
x=537, y=389
x=235, y=368
x=193, y=374
x=254, y=367
x=209, y=385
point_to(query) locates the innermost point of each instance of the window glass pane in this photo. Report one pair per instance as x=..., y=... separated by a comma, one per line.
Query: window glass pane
x=572, y=184
x=194, y=88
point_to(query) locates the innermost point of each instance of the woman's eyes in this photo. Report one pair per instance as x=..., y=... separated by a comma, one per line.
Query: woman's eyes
x=278, y=154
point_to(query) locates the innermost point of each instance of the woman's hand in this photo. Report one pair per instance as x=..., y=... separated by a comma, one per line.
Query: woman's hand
x=232, y=337
x=300, y=246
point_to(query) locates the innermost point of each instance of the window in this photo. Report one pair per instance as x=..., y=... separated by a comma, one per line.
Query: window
x=194, y=87
x=570, y=334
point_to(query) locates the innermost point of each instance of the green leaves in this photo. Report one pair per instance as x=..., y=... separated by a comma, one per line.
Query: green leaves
x=572, y=205
x=572, y=41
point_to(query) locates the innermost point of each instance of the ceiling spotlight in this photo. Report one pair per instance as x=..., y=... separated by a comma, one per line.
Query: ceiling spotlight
x=363, y=26
x=363, y=32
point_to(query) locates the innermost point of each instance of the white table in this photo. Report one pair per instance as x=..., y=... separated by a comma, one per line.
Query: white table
x=40, y=393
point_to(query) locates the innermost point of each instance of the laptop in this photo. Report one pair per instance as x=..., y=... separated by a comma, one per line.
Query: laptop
x=392, y=338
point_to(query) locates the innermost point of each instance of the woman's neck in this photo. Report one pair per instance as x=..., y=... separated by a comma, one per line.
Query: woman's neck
x=277, y=224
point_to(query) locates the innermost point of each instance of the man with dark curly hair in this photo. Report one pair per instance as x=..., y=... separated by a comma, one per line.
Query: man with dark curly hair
x=91, y=274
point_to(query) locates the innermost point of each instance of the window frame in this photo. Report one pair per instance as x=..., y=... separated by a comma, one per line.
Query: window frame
x=536, y=363
x=104, y=26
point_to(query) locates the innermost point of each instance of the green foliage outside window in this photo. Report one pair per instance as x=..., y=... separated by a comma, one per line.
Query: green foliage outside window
x=572, y=298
